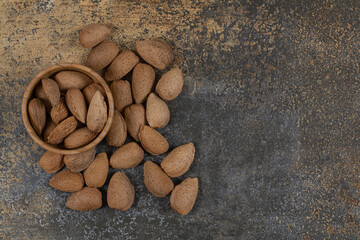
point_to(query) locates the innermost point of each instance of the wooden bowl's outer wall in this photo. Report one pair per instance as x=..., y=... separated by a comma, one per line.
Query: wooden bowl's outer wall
x=47, y=73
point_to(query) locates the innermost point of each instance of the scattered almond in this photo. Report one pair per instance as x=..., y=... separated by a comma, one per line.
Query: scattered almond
x=102, y=55
x=134, y=117
x=184, y=195
x=79, y=137
x=75, y=101
x=178, y=161
x=90, y=90
x=80, y=161
x=95, y=175
x=72, y=79
x=62, y=130
x=128, y=156
x=156, y=181
x=97, y=113
x=86, y=199
x=170, y=84
x=157, y=112
x=143, y=79
x=37, y=115
x=51, y=90
x=59, y=112
x=155, y=52
x=118, y=131
x=93, y=34
x=121, y=192
x=67, y=181
x=51, y=162
x=121, y=65
x=121, y=92
x=152, y=141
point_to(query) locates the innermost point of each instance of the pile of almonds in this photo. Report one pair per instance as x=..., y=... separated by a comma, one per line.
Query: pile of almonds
x=77, y=112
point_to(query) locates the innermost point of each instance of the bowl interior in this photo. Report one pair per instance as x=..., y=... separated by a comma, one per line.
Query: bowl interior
x=49, y=72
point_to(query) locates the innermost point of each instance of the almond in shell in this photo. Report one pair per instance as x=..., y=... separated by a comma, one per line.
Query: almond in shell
x=128, y=156
x=90, y=90
x=72, y=79
x=122, y=65
x=39, y=92
x=143, y=79
x=178, y=161
x=170, y=84
x=152, y=141
x=156, y=181
x=49, y=127
x=95, y=175
x=67, y=181
x=157, y=112
x=59, y=112
x=102, y=55
x=79, y=137
x=51, y=162
x=121, y=193
x=93, y=34
x=80, y=161
x=51, y=90
x=86, y=199
x=134, y=117
x=155, y=52
x=97, y=113
x=62, y=130
x=117, y=134
x=184, y=195
x=37, y=115
x=76, y=103
x=121, y=92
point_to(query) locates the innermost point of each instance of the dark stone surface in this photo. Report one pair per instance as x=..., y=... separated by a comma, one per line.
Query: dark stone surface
x=271, y=102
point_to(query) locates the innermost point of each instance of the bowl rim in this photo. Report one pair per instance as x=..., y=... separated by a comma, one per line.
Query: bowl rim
x=95, y=77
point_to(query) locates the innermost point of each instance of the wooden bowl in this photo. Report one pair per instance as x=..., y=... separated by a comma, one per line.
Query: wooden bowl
x=47, y=73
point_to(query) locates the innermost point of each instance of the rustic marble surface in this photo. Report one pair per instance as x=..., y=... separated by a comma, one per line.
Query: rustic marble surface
x=271, y=101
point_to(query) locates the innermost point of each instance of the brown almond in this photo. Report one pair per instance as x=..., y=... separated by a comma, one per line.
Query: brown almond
x=184, y=195
x=128, y=156
x=102, y=55
x=121, y=92
x=86, y=199
x=117, y=134
x=95, y=175
x=79, y=137
x=143, y=79
x=62, y=130
x=80, y=161
x=134, y=117
x=37, y=115
x=157, y=112
x=97, y=114
x=93, y=34
x=152, y=141
x=156, y=181
x=72, y=79
x=39, y=93
x=76, y=103
x=121, y=192
x=67, y=181
x=59, y=112
x=51, y=90
x=90, y=90
x=49, y=127
x=170, y=84
x=178, y=161
x=155, y=52
x=122, y=65
x=51, y=162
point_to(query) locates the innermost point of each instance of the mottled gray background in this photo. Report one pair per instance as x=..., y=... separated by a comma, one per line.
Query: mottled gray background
x=271, y=101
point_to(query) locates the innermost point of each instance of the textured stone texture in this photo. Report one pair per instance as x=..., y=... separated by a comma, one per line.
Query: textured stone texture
x=271, y=102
